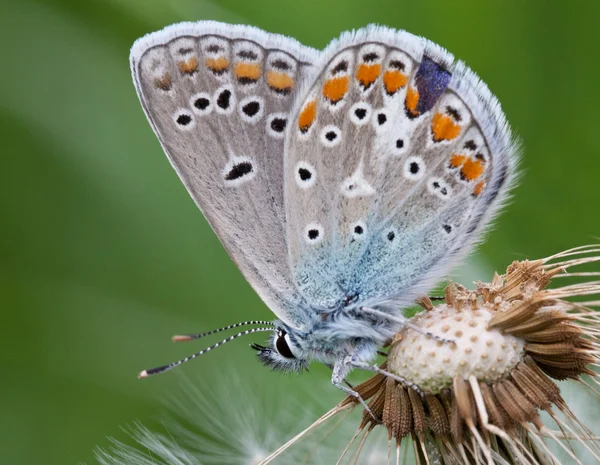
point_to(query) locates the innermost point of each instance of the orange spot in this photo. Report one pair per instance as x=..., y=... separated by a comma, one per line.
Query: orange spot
x=366, y=74
x=472, y=169
x=188, y=67
x=394, y=80
x=479, y=188
x=457, y=160
x=335, y=89
x=412, y=99
x=444, y=127
x=247, y=71
x=307, y=116
x=280, y=81
x=218, y=65
x=164, y=83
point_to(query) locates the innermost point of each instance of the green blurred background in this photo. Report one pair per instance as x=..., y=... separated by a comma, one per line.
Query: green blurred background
x=103, y=256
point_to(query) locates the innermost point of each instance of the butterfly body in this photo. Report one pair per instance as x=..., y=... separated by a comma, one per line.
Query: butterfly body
x=344, y=183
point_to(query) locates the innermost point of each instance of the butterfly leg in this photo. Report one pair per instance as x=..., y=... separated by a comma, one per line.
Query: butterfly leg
x=340, y=370
x=367, y=367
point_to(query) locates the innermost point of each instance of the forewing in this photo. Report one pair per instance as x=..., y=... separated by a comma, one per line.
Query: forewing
x=396, y=159
x=218, y=97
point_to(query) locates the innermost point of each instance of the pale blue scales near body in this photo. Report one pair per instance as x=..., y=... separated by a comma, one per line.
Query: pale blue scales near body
x=344, y=183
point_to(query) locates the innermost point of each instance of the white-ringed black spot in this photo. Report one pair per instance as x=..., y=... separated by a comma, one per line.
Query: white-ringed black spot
x=184, y=119
x=381, y=120
x=447, y=228
x=251, y=108
x=278, y=124
x=360, y=113
x=414, y=168
x=330, y=136
x=201, y=103
x=305, y=175
x=224, y=99
x=391, y=235
x=313, y=233
x=239, y=170
x=399, y=143
x=358, y=230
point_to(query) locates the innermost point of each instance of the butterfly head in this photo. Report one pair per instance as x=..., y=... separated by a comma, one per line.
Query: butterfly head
x=283, y=353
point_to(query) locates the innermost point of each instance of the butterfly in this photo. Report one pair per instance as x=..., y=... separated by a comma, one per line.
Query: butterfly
x=344, y=183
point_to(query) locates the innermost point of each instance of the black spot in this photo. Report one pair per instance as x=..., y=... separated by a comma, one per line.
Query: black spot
x=436, y=185
x=281, y=64
x=304, y=174
x=251, y=108
x=414, y=167
x=381, y=118
x=213, y=48
x=247, y=54
x=444, y=191
x=331, y=136
x=184, y=120
x=278, y=124
x=239, y=170
x=399, y=143
x=447, y=228
x=202, y=103
x=341, y=67
x=368, y=57
x=470, y=145
x=397, y=64
x=224, y=99
x=480, y=157
x=185, y=51
x=391, y=235
x=360, y=113
x=313, y=234
x=358, y=229
x=454, y=113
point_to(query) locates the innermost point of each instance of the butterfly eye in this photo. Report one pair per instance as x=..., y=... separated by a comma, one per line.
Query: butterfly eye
x=282, y=345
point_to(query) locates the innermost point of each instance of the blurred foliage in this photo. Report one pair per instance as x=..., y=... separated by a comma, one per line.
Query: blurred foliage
x=103, y=256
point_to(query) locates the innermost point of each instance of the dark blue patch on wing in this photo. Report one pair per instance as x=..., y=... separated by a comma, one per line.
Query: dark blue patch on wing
x=431, y=81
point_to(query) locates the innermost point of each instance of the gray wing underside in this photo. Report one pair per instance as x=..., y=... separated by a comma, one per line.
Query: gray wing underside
x=396, y=160
x=219, y=97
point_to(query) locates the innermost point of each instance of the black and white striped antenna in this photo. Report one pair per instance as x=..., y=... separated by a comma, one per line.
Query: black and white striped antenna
x=190, y=337
x=170, y=366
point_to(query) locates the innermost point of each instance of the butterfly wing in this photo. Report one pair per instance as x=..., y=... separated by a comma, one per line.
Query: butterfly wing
x=218, y=97
x=396, y=159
